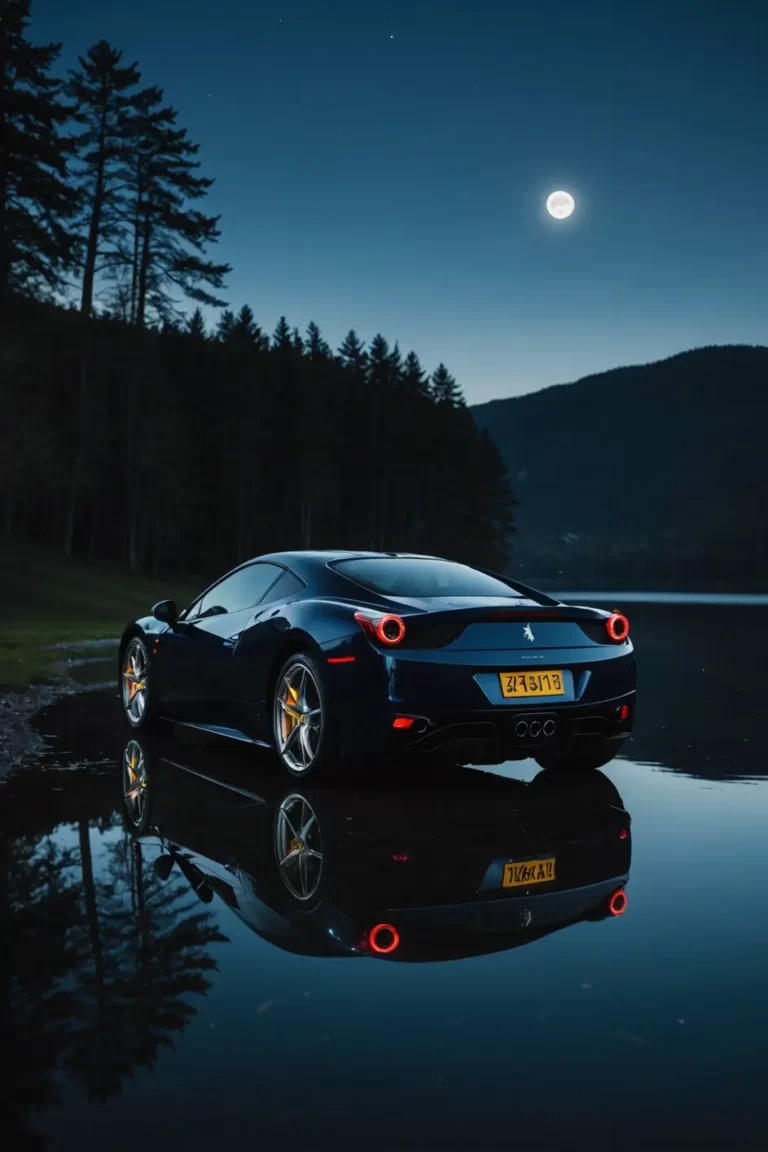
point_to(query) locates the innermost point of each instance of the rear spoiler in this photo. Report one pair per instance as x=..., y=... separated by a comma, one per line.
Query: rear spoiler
x=565, y=613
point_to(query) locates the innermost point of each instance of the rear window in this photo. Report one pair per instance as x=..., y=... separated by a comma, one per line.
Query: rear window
x=401, y=576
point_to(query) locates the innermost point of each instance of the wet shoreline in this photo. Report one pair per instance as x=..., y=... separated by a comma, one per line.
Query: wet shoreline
x=20, y=742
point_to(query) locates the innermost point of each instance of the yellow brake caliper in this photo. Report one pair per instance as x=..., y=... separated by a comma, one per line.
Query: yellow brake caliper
x=133, y=685
x=290, y=719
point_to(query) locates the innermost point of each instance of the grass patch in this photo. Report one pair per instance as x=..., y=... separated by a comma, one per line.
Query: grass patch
x=45, y=600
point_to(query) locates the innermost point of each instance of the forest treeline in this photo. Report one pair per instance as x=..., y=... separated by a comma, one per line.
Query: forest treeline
x=129, y=431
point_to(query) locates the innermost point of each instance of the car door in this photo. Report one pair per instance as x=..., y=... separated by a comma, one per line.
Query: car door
x=208, y=636
x=254, y=655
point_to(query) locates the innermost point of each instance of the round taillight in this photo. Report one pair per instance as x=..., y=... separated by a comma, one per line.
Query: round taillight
x=389, y=629
x=618, y=903
x=617, y=627
x=384, y=938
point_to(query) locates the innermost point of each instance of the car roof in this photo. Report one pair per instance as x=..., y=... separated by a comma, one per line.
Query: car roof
x=309, y=560
x=326, y=554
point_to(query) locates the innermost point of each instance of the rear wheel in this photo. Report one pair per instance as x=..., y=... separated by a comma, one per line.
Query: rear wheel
x=135, y=689
x=584, y=753
x=303, y=727
x=299, y=850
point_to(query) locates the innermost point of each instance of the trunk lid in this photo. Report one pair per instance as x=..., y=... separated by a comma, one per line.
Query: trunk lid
x=492, y=624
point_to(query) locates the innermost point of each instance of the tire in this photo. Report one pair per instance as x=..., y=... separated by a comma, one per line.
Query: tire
x=584, y=754
x=303, y=748
x=139, y=705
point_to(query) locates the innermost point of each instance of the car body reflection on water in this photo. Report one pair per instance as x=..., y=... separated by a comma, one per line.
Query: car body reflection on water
x=410, y=873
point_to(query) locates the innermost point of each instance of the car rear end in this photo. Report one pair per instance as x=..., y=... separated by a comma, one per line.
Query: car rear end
x=490, y=682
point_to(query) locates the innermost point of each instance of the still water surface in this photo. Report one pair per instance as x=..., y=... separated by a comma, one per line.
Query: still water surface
x=167, y=982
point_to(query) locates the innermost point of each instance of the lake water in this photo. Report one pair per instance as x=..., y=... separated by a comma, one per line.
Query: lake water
x=165, y=982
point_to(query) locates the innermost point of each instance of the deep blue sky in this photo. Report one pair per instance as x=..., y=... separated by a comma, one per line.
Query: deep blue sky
x=384, y=166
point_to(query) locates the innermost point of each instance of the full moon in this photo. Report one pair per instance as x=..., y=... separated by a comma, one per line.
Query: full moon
x=560, y=204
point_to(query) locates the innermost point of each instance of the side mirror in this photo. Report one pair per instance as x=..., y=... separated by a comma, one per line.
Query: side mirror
x=166, y=611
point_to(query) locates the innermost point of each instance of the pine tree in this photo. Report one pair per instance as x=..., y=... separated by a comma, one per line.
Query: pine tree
x=414, y=377
x=242, y=328
x=282, y=337
x=316, y=347
x=352, y=352
x=100, y=91
x=445, y=390
x=225, y=326
x=246, y=329
x=36, y=202
x=383, y=376
x=168, y=238
x=196, y=325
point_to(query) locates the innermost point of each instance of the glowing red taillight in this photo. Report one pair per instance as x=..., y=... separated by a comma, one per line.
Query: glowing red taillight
x=617, y=627
x=384, y=938
x=618, y=903
x=388, y=629
x=403, y=722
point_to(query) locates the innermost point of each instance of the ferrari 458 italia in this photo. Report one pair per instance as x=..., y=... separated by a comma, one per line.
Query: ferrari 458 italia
x=328, y=655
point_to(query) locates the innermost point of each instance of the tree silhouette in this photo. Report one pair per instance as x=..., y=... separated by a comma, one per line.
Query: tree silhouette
x=142, y=949
x=36, y=201
x=414, y=377
x=316, y=347
x=100, y=90
x=282, y=337
x=39, y=901
x=196, y=325
x=444, y=388
x=383, y=373
x=352, y=352
x=168, y=238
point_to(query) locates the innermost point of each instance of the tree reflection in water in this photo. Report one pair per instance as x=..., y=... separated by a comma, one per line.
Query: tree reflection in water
x=101, y=957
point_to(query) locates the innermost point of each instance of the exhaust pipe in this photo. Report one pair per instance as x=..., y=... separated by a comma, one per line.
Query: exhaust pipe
x=549, y=728
x=420, y=725
x=521, y=729
x=535, y=728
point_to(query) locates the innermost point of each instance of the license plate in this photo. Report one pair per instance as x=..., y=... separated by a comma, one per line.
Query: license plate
x=524, y=872
x=520, y=684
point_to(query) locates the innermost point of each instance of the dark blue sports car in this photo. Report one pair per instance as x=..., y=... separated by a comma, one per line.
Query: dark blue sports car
x=324, y=655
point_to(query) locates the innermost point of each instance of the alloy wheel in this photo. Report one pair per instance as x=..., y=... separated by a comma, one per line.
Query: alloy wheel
x=135, y=681
x=298, y=718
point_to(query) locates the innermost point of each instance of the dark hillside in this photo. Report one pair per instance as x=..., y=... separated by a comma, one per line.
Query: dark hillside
x=659, y=470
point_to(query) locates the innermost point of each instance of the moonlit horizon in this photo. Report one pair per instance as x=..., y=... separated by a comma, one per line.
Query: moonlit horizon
x=560, y=204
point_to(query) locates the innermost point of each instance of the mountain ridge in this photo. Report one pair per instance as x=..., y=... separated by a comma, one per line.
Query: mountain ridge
x=659, y=467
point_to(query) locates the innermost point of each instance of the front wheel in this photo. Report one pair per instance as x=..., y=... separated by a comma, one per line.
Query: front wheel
x=302, y=723
x=585, y=753
x=135, y=689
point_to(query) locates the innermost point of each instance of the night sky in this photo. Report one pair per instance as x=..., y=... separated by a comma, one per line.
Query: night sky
x=384, y=166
